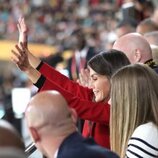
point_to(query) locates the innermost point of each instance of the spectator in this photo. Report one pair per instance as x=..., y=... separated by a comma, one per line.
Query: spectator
x=96, y=125
x=11, y=144
x=82, y=53
x=136, y=48
x=134, y=121
x=152, y=37
x=137, y=9
x=90, y=104
x=126, y=26
x=55, y=132
x=147, y=25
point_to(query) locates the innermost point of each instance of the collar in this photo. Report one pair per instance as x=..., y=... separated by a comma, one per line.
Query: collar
x=151, y=63
x=69, y=142
x=56, y=153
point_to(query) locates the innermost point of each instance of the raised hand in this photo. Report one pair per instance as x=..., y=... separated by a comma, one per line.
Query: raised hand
x=20, y=57
x=84, y=78
x=23, y=31
x=22, y=27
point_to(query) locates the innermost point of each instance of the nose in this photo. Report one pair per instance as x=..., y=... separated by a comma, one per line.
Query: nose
x=91, y=84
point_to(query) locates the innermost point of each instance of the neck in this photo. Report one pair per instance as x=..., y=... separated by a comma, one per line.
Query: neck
x=52, y=145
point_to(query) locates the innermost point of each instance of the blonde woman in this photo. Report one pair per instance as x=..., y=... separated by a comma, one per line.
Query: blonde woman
x=134, y=112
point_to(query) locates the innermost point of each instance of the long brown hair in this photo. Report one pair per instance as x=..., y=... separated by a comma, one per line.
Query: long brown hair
x=134, y=99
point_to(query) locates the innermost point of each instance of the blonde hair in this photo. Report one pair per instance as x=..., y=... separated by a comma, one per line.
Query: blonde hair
x=134, y=98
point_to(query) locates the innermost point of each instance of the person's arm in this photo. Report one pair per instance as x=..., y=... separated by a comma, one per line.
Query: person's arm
x=20, y=58
x=97, y=112
x=23, y=38
x=64, y=82
x=88, y=110
x=47, y=70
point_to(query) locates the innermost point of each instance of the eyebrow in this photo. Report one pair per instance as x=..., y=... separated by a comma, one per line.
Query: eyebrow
x=93, y=75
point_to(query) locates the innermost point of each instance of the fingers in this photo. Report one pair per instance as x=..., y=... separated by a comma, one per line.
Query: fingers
x=84, y=77
x=20, y=58
x=14, y=58
x=22, y=46
x=20, y=54
x=20, y=51
x=82, y=80
x=18, y=26
x=23, y=21
x=20, y=18
x=78, y=81
x=21, y=25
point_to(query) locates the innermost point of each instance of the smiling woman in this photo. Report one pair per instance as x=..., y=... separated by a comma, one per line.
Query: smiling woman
x=100, y=85
x=97, y=113
x=91, y=104
x=101, y=68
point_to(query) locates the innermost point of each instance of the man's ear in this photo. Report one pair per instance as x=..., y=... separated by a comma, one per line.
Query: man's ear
x=137, y=55
x=34, y=133
x=74, y=115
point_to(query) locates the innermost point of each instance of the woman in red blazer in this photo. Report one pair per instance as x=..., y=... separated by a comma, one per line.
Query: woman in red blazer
x=91, y=104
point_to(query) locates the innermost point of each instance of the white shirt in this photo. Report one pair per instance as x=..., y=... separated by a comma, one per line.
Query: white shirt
x=56, y=153
x=143, y=142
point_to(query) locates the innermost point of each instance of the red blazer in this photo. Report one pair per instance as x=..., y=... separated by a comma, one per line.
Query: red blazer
x=79, y=98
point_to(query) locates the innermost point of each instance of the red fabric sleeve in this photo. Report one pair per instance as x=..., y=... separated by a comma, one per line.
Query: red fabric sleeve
x=88, y=110
x=64, y=82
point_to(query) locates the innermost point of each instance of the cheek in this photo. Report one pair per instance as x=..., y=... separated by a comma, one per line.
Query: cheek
x=106, y=89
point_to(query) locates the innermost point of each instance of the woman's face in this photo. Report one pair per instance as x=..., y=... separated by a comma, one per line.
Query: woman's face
x=100, y=85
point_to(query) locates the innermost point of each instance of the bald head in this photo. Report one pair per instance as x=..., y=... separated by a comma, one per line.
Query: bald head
x=9, y=136
x=135, y=46
x=49, y=109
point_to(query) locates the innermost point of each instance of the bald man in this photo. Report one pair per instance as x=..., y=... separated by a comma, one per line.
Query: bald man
x=11, y=144
x=52, y=125
x=136, y=48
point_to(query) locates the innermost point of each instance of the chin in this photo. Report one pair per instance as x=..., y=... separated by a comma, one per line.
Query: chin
x=98, y=100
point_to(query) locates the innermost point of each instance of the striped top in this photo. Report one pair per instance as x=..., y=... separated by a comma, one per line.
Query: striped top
x=143, y=142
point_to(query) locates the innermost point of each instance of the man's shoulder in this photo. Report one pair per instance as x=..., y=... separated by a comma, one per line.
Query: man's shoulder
x=77, y=146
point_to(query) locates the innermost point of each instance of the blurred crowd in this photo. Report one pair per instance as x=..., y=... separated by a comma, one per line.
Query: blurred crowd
x=53, y=22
